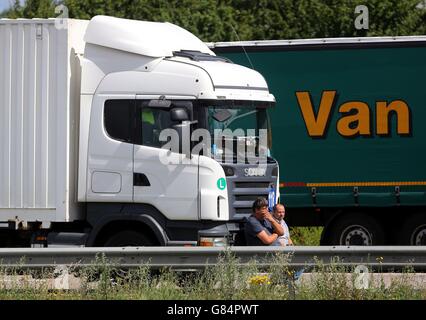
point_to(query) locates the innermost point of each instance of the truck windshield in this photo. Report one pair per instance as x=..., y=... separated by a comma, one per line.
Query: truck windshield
x=234, y=118
x=238, y=121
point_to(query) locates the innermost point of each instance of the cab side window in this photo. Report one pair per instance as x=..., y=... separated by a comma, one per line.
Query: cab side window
x=134, y=122
x=153, y=121
x=118, y=115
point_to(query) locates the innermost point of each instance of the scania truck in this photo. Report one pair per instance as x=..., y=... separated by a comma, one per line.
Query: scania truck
x=348, y=132
x=83, y=107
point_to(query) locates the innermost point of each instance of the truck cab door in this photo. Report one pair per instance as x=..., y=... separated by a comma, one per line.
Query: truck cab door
x=110, y=149
x=170, y=186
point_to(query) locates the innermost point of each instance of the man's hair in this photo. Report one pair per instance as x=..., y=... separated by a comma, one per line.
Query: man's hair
x=276, y=206
x=259, y=203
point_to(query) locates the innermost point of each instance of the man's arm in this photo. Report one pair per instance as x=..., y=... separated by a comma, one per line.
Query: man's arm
x=266, y=238
x=277, y=226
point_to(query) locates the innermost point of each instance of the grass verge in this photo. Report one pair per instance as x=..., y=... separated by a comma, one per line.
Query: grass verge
x=225, y=281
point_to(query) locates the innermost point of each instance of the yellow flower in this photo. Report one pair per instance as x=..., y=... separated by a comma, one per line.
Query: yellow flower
x=260, y=280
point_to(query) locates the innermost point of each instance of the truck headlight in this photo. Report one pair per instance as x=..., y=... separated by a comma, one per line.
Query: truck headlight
x=213, y=241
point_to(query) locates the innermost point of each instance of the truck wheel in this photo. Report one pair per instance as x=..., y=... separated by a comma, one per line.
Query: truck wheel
x=356, y=230
x=128, y=238
x=413, y=233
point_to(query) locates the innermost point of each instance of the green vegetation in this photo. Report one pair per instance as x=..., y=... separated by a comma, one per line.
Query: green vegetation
x=230, y=20
x=306, y=236
x=225, y=281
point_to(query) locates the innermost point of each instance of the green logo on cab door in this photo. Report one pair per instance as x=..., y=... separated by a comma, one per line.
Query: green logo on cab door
x=221, y=183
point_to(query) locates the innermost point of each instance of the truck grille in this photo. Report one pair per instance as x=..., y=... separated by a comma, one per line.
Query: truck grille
x=252, y=184
x=243, y=190
x=249, y=197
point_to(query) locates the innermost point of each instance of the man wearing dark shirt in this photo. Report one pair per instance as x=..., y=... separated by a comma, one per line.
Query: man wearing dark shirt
x=261, y=229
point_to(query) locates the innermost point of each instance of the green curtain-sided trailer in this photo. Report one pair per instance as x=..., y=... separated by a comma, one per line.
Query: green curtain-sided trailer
x=349, y=133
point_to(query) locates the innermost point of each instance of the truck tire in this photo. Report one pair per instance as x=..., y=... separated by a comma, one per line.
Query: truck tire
x=413, y=232
x=128, y=238
x=356, y=229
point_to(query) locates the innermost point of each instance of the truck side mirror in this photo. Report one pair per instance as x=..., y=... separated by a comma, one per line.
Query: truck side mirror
x=179, y=114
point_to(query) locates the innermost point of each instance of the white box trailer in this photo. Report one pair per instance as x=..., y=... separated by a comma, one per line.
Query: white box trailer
x=39, y=104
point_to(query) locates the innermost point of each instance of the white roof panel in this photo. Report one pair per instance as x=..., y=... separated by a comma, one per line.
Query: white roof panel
x=153, y=39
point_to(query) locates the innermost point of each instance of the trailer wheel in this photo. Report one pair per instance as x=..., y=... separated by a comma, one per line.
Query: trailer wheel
x=128, y=238
x=413, y=232
x=356, y=230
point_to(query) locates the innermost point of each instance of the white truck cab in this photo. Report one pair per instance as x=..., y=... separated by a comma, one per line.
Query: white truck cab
x=136, y=80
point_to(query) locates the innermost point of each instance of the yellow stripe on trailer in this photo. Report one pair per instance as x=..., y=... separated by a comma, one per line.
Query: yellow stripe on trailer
x=367, y=184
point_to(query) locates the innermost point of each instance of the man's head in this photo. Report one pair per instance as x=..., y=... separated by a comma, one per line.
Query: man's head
x=260, y=208
x=279, y=211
